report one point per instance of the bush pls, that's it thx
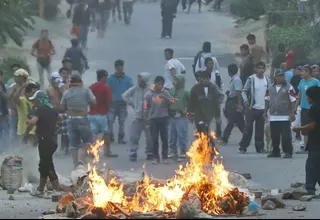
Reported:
(247, 8)
(51, 8)
(301, 39)
(8, 62)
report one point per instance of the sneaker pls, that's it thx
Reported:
(133, 157)
(173, 155)
(168, 37)
(155, 161)
(165, 161)
(242, 151)
(274, 155)
(149, 157)
(287, 156)
(37, 193)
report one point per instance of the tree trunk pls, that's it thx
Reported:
(41, 8)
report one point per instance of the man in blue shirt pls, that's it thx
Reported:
(119, 83)
(306, 82)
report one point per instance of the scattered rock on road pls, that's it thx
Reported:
(307, 198)
(246, 175)
(287, 194)
(275, 199)
(238, 180)
(269, 205)
(299, 207)
(11, 197)
(298, 193)
(296, 185)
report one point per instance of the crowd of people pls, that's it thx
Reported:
(288, 101)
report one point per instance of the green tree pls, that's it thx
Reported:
(15, 19)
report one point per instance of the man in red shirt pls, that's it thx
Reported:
(98, 113)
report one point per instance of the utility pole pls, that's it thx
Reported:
(41, 8)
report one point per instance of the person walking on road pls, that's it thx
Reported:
(119, 83)
(253, 95)
(43, 49)
(78, 59)
(101, 11)
(191, 3)
(134, 97)
(168, 13)
(233, 110)
(81, 18)
(199, 64)
(127, 7)
(116, 8)
(280, 102)
(98, 117)
(246, 65)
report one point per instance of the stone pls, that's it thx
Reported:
(287, 194)
(307, 198)
(299, 207)
(296, 185)
(188, 209)
(269, 205)
(251, 212)
(49, 212)
(275, 199)
(238, 180)
(11, 198)
(246, 175)
(297, 193)
(257, 194)
(11, 191)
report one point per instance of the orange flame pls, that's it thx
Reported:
(210, 183)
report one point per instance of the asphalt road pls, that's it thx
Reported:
(140, 46)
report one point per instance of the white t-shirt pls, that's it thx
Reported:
(261, 86)
(177, 65)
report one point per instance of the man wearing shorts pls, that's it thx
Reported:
(76, 101)
(306, 82)
(98, 113)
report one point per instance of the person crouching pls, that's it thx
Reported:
(45, 118)
(178, 121)
(280, 101)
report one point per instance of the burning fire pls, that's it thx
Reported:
(206, 179)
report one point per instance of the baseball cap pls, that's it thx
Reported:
(278, 72)
(315, 66)
(38, 94)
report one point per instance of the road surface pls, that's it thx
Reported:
(140, 46)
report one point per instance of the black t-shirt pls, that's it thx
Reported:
(278, 60)
(295, 80)
(313, 135)
(46, 125)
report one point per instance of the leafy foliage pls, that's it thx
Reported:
(9, 61)
(15, 19)
(247, 8)
(51, 8)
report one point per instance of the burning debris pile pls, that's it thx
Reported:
(196, 188)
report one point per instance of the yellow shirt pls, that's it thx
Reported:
(23, 109)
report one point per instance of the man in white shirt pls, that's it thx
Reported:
(253, 95)
(172, 67)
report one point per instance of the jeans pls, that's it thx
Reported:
(127, 11)
(83, 30)
(167, 25)
(159, 126)
(116, 6)
(47, 147)
(234, 117)
(297, 123)
(41, 70)
(281, 130)
(178, 134)
(101, 20)
(313, 169)
(4, 132)
(118, 109)
(79, 132)
(137, 127)
(13, 125)
(257, 116)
